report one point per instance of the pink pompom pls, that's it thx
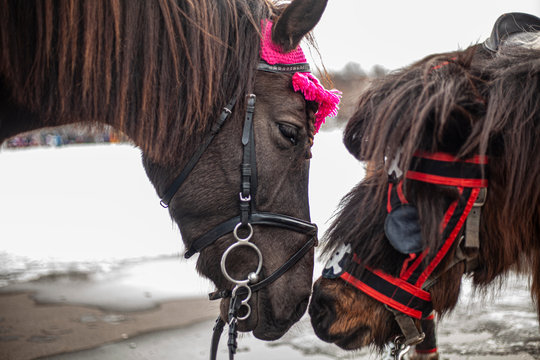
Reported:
(312, 89)
(308, 84)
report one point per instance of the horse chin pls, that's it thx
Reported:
(265, 333)
(358, 339)
(269, 329)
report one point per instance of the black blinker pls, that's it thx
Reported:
(402, 229)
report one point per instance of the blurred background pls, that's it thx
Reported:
(77, 207)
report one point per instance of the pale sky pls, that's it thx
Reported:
(394, 33)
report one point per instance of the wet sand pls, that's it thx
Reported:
(181, 329)
(30, 330)
(110, 318)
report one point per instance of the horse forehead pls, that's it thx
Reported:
(276, 90)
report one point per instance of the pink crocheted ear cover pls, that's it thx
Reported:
(306, 83)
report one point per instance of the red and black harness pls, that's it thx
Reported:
(407, 294)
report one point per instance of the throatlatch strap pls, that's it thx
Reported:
(429, 345)
(179, 180)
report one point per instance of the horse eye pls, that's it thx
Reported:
(289, 132)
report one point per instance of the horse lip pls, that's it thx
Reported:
(264, 334)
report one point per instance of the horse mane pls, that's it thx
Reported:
(157, 70)
(463, 102)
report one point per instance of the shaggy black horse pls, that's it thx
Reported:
(453, 143)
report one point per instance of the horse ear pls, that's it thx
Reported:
(296, 21)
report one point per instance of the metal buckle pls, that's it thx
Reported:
(481, 199)
(245, 199)
(396, 350)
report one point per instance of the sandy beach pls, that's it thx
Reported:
(30, 330)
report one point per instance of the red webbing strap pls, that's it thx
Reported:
(405, 293)
(440, 180)
(393, 292)
(440, 156)
(450, 240)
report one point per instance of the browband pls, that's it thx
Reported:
(283, 68)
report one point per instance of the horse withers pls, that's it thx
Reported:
(188, 83)
(453, 143)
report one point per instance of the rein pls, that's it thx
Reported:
(406, 295)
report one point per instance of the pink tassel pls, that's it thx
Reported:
(312, 89)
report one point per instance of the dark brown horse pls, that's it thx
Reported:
(161, 72)
(437, 134)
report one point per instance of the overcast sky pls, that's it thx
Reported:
(394, 33)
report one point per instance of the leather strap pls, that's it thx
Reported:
(472, 225)
(408, 328)
(179, 180)
(216, 335)
(247, 166)
(257, 218)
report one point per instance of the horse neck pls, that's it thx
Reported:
(141, 68)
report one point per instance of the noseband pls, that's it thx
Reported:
(407, 296)
(248, 217)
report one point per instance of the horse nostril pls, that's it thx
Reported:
(322, 313)
(301, 308)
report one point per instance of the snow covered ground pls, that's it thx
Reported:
(91, 208)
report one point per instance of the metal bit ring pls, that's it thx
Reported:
(243, 302)
(248, 312)
(227, 252)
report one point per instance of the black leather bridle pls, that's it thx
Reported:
(247, 217)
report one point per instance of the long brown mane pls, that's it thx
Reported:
(158, 70)
(465, 102)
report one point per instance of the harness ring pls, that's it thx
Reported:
(238, 226)
(226, 253)
(248, 296)
(248, 312)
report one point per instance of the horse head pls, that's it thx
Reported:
(218, 97)
(451, 144)
(240, 198)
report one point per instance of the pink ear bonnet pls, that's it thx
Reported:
(304, 82)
